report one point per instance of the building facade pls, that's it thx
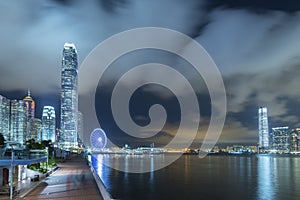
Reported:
(29, 113)
(36, 129)
(69, 97)
(294, 140)
(17, 121)
(80, 127)
(48, 123)
(263, 128)
(4, 117)
(280, 139)
(29, 106)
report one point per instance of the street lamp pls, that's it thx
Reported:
(11, 180)
(11, 173)
(47, 159)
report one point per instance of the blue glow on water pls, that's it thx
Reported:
(213, 177)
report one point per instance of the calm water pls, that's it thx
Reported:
(213, 177)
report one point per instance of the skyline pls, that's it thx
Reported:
(254, 44)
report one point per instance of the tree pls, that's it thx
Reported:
(32, 144)
(2, 140)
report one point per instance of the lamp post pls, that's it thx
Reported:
(11, 173)
(47, 159)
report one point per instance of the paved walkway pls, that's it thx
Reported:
(72, 181)
(22, 187)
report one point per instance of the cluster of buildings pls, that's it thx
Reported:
(18, 123)
(278, 139)
(234, 149)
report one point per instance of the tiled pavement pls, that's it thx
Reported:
(72, 181)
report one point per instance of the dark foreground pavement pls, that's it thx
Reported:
(73, 180)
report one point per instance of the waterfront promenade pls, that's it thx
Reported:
(73, 180)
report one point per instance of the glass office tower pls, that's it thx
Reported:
(280, 139)
(69, 97)
(17, 121)
(48, 123)
(29, 113)
(263, 128)
(35, 129)
(4, 117)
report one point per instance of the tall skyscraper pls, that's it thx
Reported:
(280, 139)
(17, 121)
(263, 128)
(48, 123)
(29, 109)
(69, 97)
(29, 106)
(4, 117)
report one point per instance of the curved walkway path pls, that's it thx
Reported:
(73, 180)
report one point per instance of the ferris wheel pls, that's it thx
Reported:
(98, 139)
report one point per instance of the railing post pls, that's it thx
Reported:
(11, 174)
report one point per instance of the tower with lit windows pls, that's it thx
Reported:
(48, 123)
(35, 129)
(4, 117)
(29, 113)
(280, 139)
(69, 97)
(80, 127)
(17, 121)
(29, 106)
(263, 128)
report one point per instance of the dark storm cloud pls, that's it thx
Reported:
(33, 32)
(256, 5)
(112, 5)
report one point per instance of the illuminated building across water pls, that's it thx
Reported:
(294, 139)
(280, 139)
(263, 128)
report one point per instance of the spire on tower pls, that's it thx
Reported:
(28, 92)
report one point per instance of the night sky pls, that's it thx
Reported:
(254, 43)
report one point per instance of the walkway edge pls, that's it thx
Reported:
(105, 194)
(25, 193)
(31, 189)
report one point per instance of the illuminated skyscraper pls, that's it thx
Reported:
(263, 128)
(35, 129)
(280, 139)
(80, 126)
(294, 140)
(17, 121)
(4, 117)
(29, 106)
(29, 109)
(48, 123)
(69, 97)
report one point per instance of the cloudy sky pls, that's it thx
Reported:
(254, 43)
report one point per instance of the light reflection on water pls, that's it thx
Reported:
(213, 177)
(266, 177)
